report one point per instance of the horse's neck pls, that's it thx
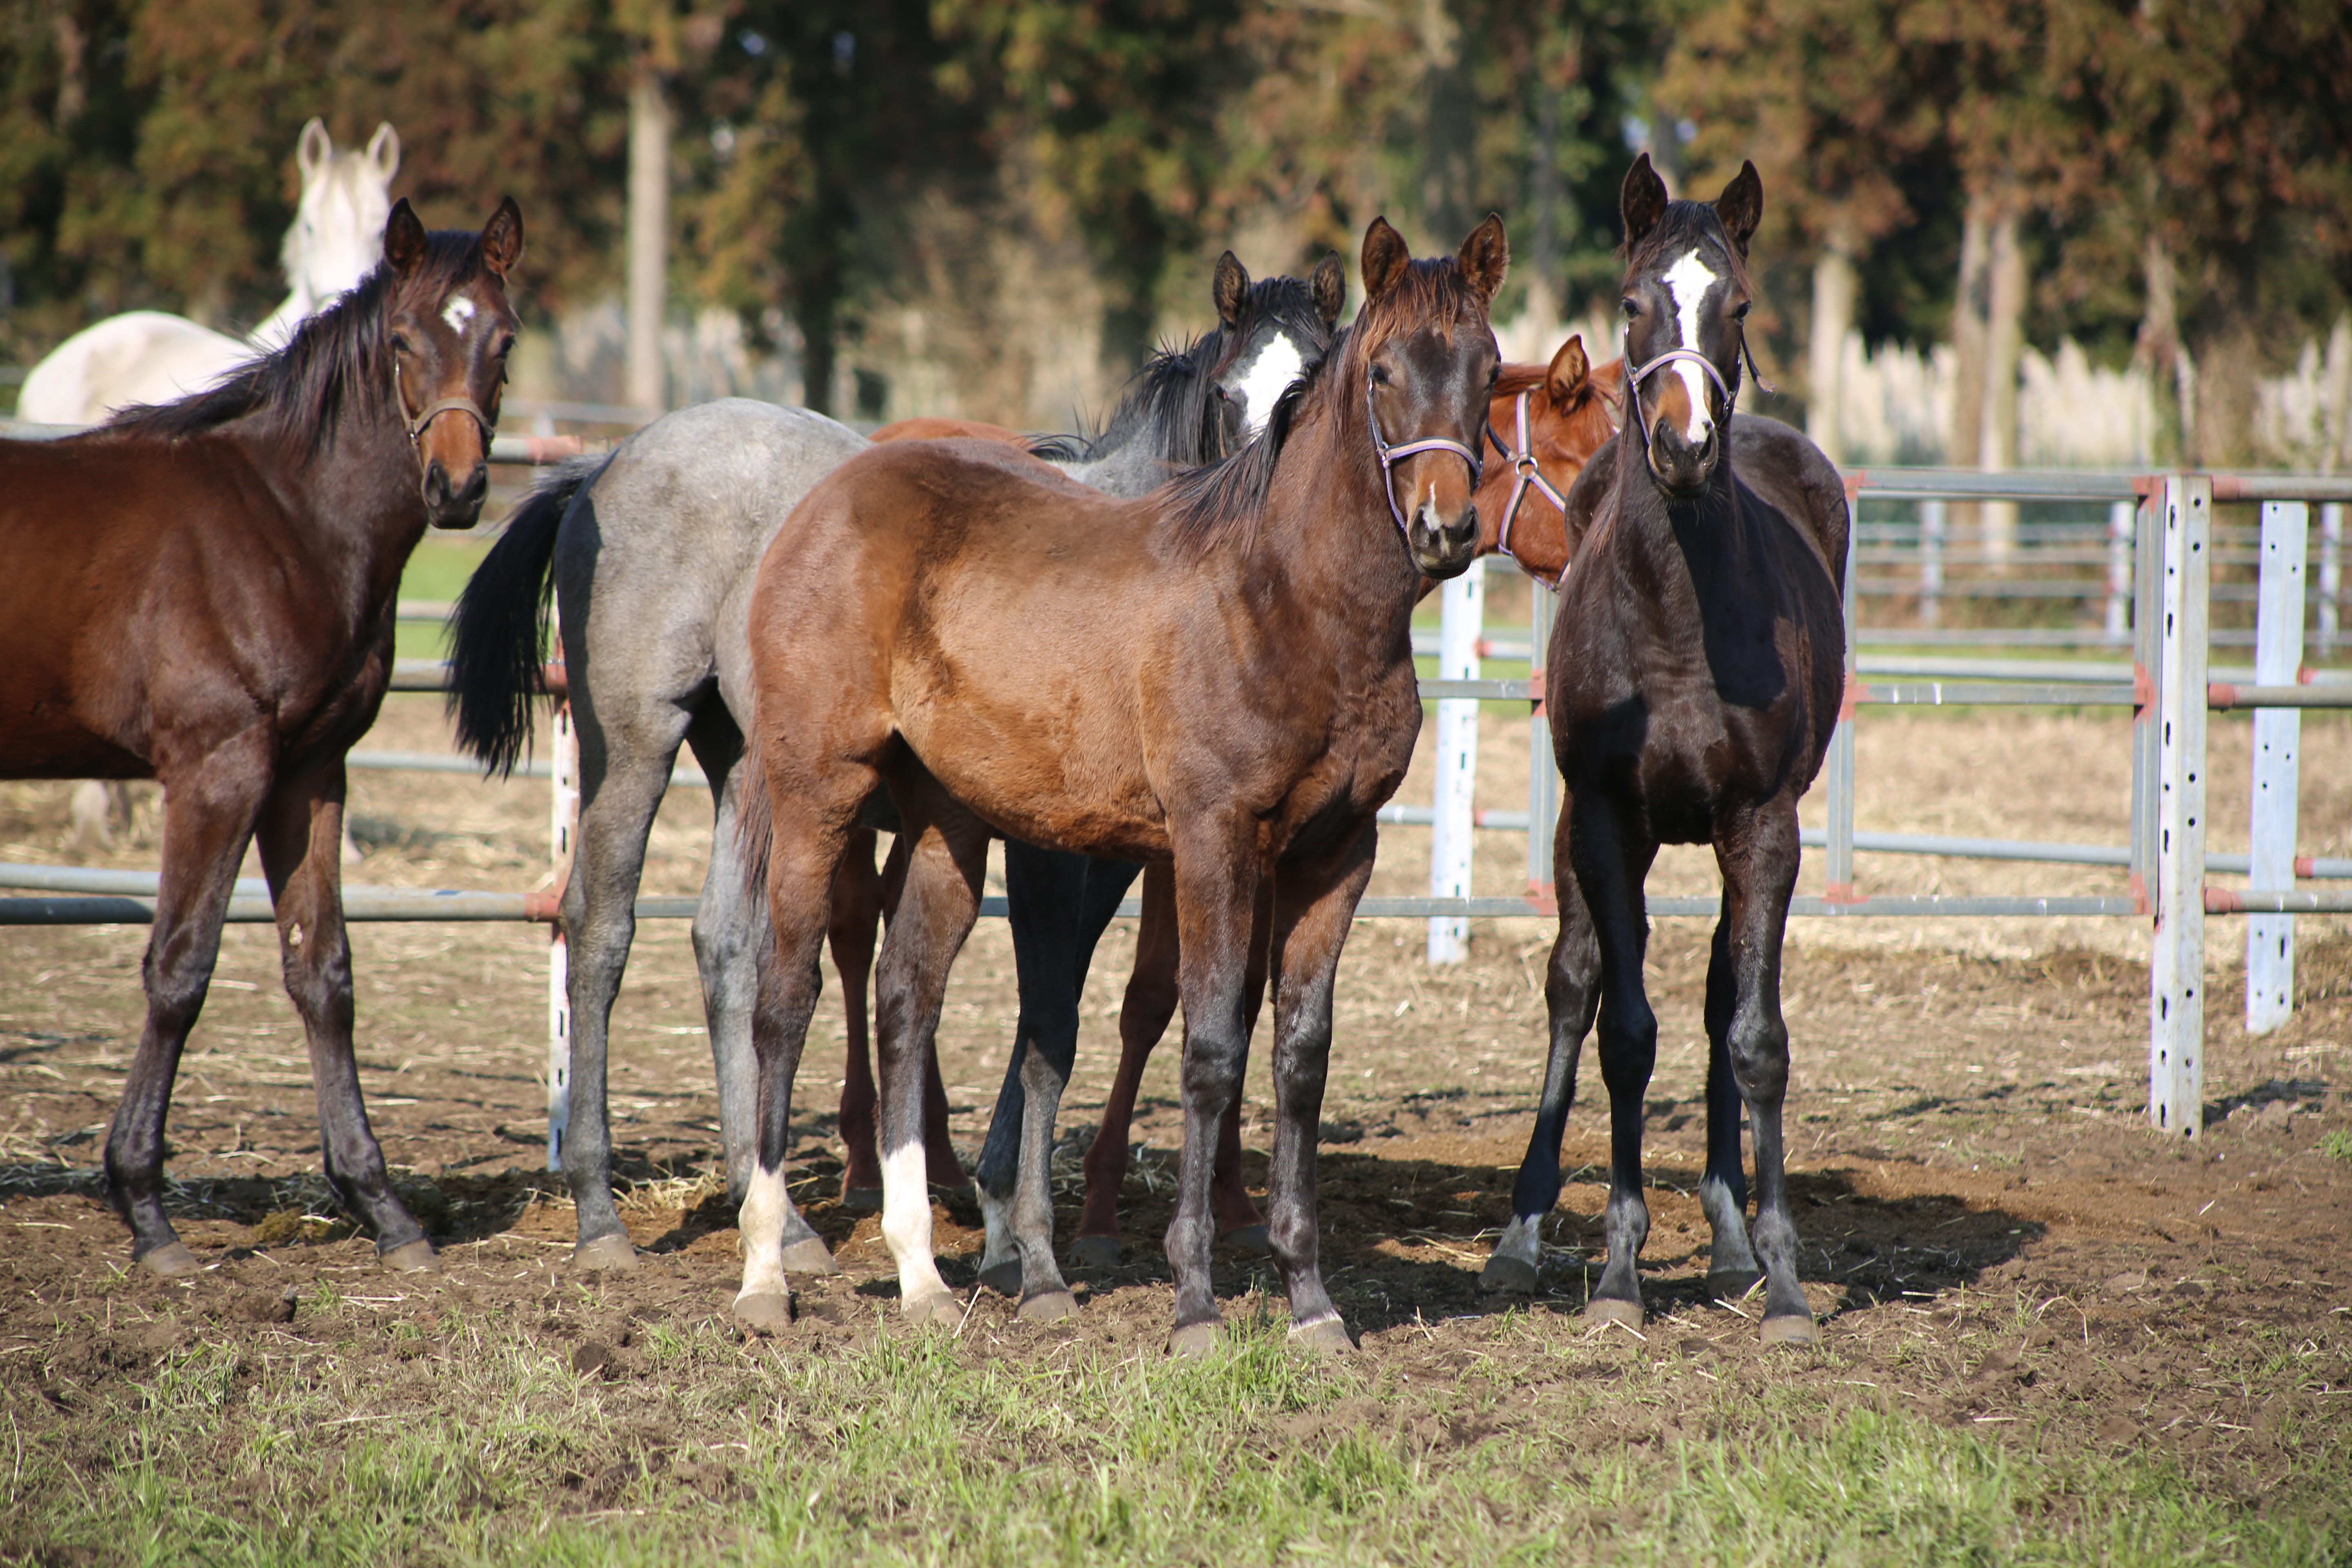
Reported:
(358, 497)
(1668, 549)
(1328, 535)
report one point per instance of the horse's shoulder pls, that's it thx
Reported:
(1783, 468)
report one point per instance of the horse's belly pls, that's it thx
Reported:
(1058, 790)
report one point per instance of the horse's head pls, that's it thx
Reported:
(1685, 303)
(1271, 333)
(346, 201)
(450, 330)
(1428, 361)
(1546, 421)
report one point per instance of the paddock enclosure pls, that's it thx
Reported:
(2036, 1307)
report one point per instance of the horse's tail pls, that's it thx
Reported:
(498, 632)
(755, 825)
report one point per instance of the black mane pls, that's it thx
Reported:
(337, 366)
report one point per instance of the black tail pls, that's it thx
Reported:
(498, 632)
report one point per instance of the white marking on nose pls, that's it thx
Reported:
(1688, 282)
(1263, 382)
(458, 312)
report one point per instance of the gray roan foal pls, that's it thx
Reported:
(649, 553)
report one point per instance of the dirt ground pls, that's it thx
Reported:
(1990, 1231)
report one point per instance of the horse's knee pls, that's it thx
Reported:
(1629, 1046)
(1758, 1049)
(318, 974)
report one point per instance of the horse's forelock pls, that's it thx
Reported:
(1685, 225)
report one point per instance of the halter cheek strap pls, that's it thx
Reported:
(1634, 379)
(1391, 456)
(416, 423)
(1524, 475)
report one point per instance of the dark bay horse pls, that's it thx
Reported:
(1218, 675)
(1693, 682)
(649, 555)
(202, 593)
(1547, 421)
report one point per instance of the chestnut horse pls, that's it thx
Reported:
(202, 593)
(1693, 681)
(1218, 675)
(1547, 421)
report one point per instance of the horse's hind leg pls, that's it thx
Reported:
(208, 815)
(946, 862)
(1758, 858)
(810, 830)
(1731, 1269)
(1571, 995)
(302, 838)
(1612, 863)
(856, 911)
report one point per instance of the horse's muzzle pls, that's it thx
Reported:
(1442, 549)
(1683, 467)
(451, 505)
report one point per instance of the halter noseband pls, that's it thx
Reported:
(416, 424)
(1633, 379)
(1391, 456)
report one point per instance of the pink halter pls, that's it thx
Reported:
(1390, 456)
(1525, 474)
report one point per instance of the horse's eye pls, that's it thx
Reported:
(1632, 308)
(505, 348)
(400, 345)
(1379, 376)
(1739, 311)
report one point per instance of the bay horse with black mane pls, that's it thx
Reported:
(203, 594)
(1218, 675)
(1693, 682)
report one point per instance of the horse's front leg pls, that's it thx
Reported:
(1571, 995)
(302, 838)
(1315, 902)
(1216, 874)
(1759, 857)
(1731, 1267)
(1612, 858)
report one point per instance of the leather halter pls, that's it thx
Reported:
(1391, 456)
(416, 424)
(1633, 379)
(1524, 475)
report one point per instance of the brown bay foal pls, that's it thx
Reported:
(1693, 682)
(202, 593)
(1218, 676)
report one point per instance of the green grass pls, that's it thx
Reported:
(436, 572)
(486, 1447)
(2338, 1145)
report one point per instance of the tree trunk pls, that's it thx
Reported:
(649, 128)
(2158, 352)
(2226, 353)
(2004, 345)
(1833, 293)
(1449, 149)
(1966, 441)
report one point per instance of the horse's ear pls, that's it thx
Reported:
(1486, 256)
(1230, 288)
(383, 150)
(1570, 376)
(1642, 202)
(1329, 287)
(1384, 258)
(1741, 206)
(311, 153)
(403, 238)
(502, 239)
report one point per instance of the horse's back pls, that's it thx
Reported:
(1783, 467)
(143, 357)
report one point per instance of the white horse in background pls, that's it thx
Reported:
(151, 356)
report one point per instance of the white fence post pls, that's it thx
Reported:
(2278, 733)
(2176, 1049)
(564, 822)
(1932, 518)
(2120, 518)
(1837, 777)
(2331, 573)
(1461, 627)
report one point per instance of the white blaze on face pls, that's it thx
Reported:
(1688, 283)
(458, 311)
(1265, 380)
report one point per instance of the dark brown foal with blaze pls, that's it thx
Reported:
(202, 593)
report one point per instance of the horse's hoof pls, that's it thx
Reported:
(862, 1200)
(1732, 1284)
(1094, 1252)
(602, 1252)
(937, 1309)
(172, 1260)
(1003, 1276)
(1326, 1335)
(1607, 1310)
(1792, 1329)
(1049, 1307)
(766, 1313)
(1251, 1238)
(414, 1257)
(810, 1254)
(1506, 1275)
(1195, 1340)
